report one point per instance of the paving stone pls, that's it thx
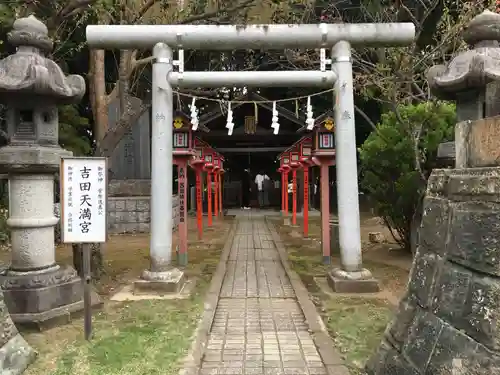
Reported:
(258, 326)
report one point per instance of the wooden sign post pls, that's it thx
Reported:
(84, 214)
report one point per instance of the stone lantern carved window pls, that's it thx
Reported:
(46, 121)
(22, 126)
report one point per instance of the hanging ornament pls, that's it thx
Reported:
(309, 114)
(229, 123)
(274, 122)
(194, 115)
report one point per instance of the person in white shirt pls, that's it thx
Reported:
(259, 181)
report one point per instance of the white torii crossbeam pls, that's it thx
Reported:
(229, 37)
(337, 37)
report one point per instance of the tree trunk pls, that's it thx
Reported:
(98, 102)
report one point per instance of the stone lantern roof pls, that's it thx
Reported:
(474, 68)
(30, 73)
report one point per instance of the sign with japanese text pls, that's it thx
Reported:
(326, 141)
(181, 140)
(182, 192)
(83, 199)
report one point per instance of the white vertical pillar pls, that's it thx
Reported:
(161, 160)
(346, 160)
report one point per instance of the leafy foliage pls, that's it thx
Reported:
(74, 131)
(388, 162)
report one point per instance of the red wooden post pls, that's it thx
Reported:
(216, 194)
(283, 192)
(199, 205)
(183, 229)
(305, 161)
(221, 180)
(197, 164)
(286, 195)
(209, 193)
(324, 156)
(306, 200)
(294, 196)
(280, 170)
(325, 212)
(294, 165)
(209, 167)
(183, 152)
(285, 166)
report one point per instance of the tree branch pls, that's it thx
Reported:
(215, 13)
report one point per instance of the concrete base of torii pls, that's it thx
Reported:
(352, 282)
(165, 282)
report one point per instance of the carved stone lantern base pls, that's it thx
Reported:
(448, 322)
(43, 299)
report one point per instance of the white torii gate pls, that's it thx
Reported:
(164, 38)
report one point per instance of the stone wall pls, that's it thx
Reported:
(449, 320)
(129, 206)
(132, 214)
(15, 352)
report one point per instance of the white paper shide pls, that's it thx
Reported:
(83, 200)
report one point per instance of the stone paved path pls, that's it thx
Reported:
(258, 327)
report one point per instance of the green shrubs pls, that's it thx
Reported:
(391, 175)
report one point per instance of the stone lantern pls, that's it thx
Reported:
(469, 80)
(32, 86)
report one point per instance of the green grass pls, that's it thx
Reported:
(139, 338)
(356, 325)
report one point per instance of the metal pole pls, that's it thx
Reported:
(230, 37)
(298, 78)
(346, 161)
(87, 290)
(161, 160)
